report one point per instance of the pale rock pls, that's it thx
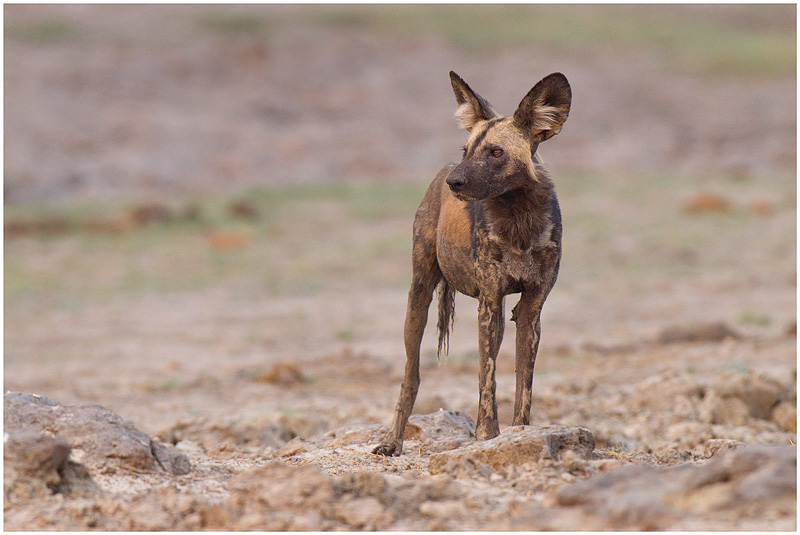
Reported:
(100, 438)
(517, 445)
(635, 497)
(759, 393)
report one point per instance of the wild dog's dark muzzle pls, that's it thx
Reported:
(456, 181)
(469, 181)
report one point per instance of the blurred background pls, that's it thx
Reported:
(207, 209)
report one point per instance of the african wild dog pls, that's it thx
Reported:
(488, 227)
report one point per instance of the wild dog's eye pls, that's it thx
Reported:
(497, 152)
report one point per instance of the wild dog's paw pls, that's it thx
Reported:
(389, 449)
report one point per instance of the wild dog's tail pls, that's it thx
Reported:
(447, 308)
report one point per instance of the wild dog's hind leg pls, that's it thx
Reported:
(426, 275)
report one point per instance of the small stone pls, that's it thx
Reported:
(760, 394)
(785, 415)
(172, 461)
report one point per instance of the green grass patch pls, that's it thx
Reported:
(169, 385)
(706, 41)
(295, 240)
(749, 317)
(303, 239)
(47, 31)
(232, 22)
(346, 335)
(637, 225)
(710, 40)
(362, 200)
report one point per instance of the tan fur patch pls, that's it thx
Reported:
(466, 116)
(454, 224)
(545, 118)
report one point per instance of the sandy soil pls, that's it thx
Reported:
(228, 337)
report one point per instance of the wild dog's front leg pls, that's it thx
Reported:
(419, 300)
(526, 314)
(490, 335)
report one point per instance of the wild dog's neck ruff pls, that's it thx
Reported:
(521, 216)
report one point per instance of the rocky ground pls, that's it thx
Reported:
(206, 259)
(85, 468)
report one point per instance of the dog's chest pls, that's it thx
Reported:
(509, 269)
(487, 264)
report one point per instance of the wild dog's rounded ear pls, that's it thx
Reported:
(472, 108)
(545, 108)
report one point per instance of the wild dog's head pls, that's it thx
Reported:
(498, 154)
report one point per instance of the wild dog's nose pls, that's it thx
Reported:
(456, 182)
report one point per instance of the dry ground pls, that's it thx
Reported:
(208, 227)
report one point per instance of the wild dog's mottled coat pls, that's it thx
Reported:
(488, 227)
